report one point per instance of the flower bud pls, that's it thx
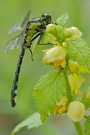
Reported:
(64, 44)
(67, 32)
(76, 33)
(76, 111)
(74, 66)
(52, 29)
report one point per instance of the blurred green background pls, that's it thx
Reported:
(13, 12)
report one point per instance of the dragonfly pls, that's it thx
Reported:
(30, 30)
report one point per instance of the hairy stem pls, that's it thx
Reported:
(78, 128)
(69, 96)
(68, 89)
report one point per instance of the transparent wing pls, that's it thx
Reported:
(18, 27)
(14, 43)
(14, 28)
(26, 19)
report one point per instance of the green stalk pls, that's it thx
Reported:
(69, 96)
(68, 89)
(78, 128)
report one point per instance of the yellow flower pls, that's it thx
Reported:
(61, 106)
(63, 64)
(73, 32)
(55, 56)
(74, 66)
(75, 82)
(76, 32)
(64, 44)
(67, 32)
(76, 111)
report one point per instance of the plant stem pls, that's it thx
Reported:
(69, 96)
(78, 128)
(68, 89)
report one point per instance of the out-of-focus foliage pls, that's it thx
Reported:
(12, 12)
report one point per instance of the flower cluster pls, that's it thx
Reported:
(57, 56)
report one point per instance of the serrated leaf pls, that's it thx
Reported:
(78, 50)
(62, 19)
(47, 92)
(30, 122)
(87, 126)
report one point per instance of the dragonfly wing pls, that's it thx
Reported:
(14, 28)
(18, 27)
(14, 43)
(17, 42)
(26, 19)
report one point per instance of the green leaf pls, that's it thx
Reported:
(30, 122)
(87, 126)
(78, 50)
(85, 101)
(46, 38)
(62, 19)
(47, 92)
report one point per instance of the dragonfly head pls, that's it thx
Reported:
(47, 17)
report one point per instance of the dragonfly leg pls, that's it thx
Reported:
(31, 53)
(39, 39)
(35, 37)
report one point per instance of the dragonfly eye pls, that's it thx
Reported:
(47, 17)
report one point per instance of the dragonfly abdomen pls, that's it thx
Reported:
(16, 77)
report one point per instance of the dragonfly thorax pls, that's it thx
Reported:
(31, 31)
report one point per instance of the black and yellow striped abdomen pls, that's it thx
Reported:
(16, 77)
